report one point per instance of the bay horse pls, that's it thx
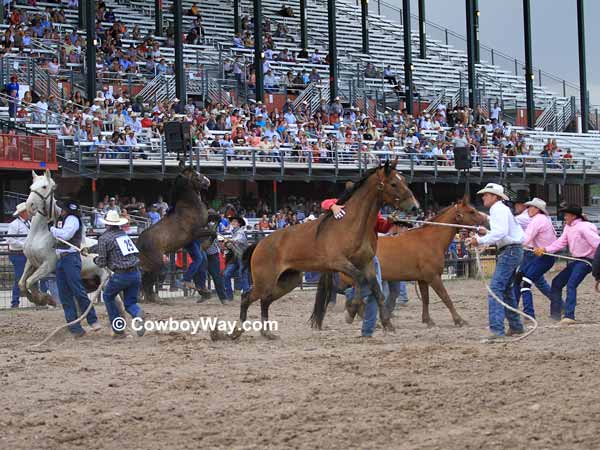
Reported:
(347, 245)
(184, 222)
(39, 247)
(415, 255)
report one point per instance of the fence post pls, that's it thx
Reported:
(445, 31)
(516, 68)
(492, 54)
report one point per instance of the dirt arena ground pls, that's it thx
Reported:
(419, 388)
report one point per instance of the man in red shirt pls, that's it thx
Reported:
(382, 225)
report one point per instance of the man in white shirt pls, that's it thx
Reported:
(68, 267)
(495, 112)
(508, 237)
(19, 226)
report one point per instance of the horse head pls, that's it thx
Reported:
(466, 214)
(41, 195)
(393, 187)
(193, 178)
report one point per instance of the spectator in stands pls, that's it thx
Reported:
(286, 11)
(496, 112)
(316, 57)
(153, 214)
(389, 75)
(271, 82)
(112, 206)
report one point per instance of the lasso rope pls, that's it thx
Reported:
(495, 297)
(569, 258)
(440, 224)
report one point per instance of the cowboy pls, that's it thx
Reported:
(70, 229)
(522, 211)
(539, 233)
(198, 255)
(18, 227)
(117, 251)
(212, 266)
(395, 291)
(236, 244)
(382, 225)
(508, 236)
(582, 239)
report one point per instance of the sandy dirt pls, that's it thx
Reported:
(436, 388)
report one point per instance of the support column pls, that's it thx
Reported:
(333, 69)
(422, 36)
(303, 26)
(81, 9)
(364, 20)
(237, 28)
(158, 18)
(472, 86)
(476, 53)
(528, 64)
(258, 51)
(179, 69)
(408, 66)
(90, 48)
(582, 68)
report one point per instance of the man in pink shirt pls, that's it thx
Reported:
(539, 233)
(582, 239)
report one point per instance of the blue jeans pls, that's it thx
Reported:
(392, 291)
(18, 262)
(502, 285)
(71, 290)
(128, 283)
(198, 259)
(571, 276)
(371, 307)
(235, 269)
(533, 268)
(213, 267)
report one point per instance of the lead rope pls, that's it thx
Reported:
(495, 297)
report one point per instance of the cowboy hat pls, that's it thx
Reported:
(522, 197)
(240, 220)
(112, 218)
(493, 188)
(573, 209)
(67, 204)
(20, 208)
(539, 204)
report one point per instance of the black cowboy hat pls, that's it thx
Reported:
(522, 197)
(240, 220)
(573, 209)
(68, 205)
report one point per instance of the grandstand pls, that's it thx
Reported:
(136, 88)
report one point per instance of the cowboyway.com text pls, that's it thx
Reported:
(205, 324)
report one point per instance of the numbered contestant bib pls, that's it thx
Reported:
(126, 245)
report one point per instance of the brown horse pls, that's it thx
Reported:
(416, 255)
(185, 221)
(326, 244)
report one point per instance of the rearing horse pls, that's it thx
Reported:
(326, 245)
(185, 221)
(415, 255)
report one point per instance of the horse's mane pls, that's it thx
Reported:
(181, 191)
(348, 193)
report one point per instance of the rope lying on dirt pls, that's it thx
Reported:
(74, 322)
(495, 297)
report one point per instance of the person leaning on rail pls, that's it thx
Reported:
(581, 237)
(508, 236)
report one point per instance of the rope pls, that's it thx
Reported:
(440, 224)
(570, 258)
(510, 308)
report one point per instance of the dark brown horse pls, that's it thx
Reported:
(326, 244)
(416, 255)
(184, 222)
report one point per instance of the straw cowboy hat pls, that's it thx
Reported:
(112, 218)
(539, 204)
(493, 188)
(20, 208)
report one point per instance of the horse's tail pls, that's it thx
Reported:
(247, 256)
(325, 290)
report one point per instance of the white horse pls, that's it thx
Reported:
(39, 247)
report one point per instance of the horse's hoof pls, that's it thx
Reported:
(461, 322)
(349, 317)
(235, 334)
(47, 299)
(389, 327)
(216, 335)
(430, 323)
(268, 335)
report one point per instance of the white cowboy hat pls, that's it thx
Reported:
(539, 204)
(493, 188)
(311, 217)
(20, 208)
(113, 218)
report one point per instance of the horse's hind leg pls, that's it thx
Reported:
(247, 299)
(425, 317)
(287, 282)
(148, 279)
(440, 290)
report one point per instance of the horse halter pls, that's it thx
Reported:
(49, 214)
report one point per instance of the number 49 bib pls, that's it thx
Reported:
(126, 245)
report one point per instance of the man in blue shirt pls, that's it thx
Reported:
(153, 215)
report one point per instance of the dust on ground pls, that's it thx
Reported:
(425, 388)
